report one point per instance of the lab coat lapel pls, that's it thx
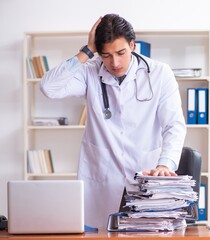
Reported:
(107, 78)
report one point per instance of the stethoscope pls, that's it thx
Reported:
(107, 111)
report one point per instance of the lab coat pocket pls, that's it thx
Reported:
(94, 162)
(97, 105)
(149, 159)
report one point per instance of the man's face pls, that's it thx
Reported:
(116, 56)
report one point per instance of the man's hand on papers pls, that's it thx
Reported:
(159, 171)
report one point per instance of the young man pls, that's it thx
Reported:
(137, 126)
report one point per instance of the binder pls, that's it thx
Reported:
(202, 105)
(191, 106)
(202, 212)
(143, 48)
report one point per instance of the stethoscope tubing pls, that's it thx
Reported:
(107, 112)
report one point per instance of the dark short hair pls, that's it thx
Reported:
(112, 27)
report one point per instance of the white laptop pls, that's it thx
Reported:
(45, 206)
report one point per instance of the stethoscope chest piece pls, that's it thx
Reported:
(107, 113)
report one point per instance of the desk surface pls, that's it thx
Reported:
(190, 233)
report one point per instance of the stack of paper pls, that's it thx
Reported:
(158, 204)
(47, 121)
(187, 72)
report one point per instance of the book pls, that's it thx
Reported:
(48, 159)
(43, 68)
(40, 161)
(40, 65)
(37, 63)
(83, 116)
(30, 68)
(31, 165)
(46, 63)
(35, 67)
(33, 162)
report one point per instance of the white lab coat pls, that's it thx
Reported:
(139, 135)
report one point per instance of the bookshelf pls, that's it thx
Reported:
(180, 49)
(63, 141)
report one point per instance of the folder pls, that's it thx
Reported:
(142, 48)
(191, 106)
(202, 213)
(202, 105)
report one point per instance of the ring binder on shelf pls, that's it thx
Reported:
(202, 213)
(202, 105)
(143, 48)
(191, 106)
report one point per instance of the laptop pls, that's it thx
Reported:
(45, 206)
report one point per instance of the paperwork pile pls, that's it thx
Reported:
(157, 204)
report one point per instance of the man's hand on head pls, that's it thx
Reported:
(91, 37)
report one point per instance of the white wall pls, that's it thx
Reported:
(19, 16)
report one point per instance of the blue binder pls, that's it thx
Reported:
(191, 106)
(143, 48)
(202, 213)
(202, 105)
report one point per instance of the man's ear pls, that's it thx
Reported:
(132, 45)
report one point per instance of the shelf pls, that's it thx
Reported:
(197, 126)
(202, 222)
(203, 78)
(55, 34)
(56, 127)
(182, 32)
(56, 176)
(178, 48)
(204, 174)
(33, 80)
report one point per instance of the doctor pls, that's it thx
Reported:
(134, 124)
